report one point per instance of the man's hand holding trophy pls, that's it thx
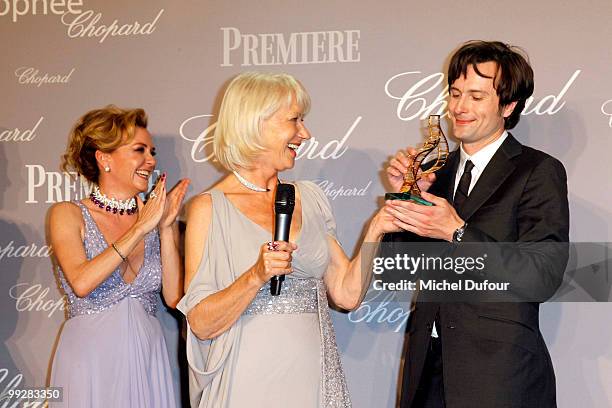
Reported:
(408, 174)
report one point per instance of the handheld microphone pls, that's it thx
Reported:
(284, 202)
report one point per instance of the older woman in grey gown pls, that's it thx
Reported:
(246, 348)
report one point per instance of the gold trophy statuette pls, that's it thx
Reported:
(429, 158)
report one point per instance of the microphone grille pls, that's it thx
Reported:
(284, 200)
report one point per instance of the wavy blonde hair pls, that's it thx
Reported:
(250, 99)
(100, 129)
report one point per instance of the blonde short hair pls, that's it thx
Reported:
(250, 99)
(100, 129)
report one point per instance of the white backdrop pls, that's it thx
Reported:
(374, 72)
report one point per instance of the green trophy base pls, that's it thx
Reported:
(407, 197)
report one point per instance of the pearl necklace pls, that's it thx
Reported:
(113, 205)
(248, 184)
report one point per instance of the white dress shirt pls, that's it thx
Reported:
(480, 159)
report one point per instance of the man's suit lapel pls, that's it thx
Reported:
(496, 172)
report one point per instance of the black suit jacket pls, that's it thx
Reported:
(493, 354)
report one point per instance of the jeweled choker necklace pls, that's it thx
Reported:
(248, 184)
(115, 206)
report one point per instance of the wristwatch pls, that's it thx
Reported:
(458, 234)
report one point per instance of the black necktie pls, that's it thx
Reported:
(464, 186)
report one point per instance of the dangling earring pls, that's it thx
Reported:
(107, 169)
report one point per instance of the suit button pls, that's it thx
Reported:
(429, 326)
(451, 325)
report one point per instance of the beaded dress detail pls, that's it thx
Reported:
(111, 351)
(145, 288)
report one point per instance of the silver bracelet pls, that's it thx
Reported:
(123, 258)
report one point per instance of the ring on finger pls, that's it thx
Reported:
(153, 194)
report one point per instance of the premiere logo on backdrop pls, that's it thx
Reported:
(201, 141)
(21, 135)
(55, 186)
(411, 89)
(606, 109)
(33, 76)
(79, 22)
(311, 47)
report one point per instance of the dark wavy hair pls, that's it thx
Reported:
(513, 81)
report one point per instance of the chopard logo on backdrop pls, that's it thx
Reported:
(32, 76)
(33, 298)
(80, 23)
(310, 47)
(86, 24)
(334, 191)
(606, 109)
(381, 308)
(414, 104)
(10, 250)
(18, 135)
(201, 149)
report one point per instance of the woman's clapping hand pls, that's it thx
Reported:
(150, 214)
(174, 200)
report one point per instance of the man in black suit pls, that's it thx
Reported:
(494, 190)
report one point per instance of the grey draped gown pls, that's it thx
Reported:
(282, 351)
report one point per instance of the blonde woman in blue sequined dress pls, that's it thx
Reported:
(114, 256)
(246, 348)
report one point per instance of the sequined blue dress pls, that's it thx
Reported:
(111, 351)
(282, 351)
